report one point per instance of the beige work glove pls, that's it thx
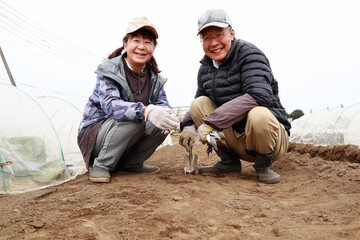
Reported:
(187, 137)
(203, 131)
(163, 118)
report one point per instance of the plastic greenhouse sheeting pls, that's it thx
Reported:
(65, 118)
(38, 138)
(328, 127)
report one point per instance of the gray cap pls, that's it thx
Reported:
(213, 17)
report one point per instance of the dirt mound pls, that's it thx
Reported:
(318, 198)
(345, 153)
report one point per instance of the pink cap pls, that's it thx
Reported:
(141, 22)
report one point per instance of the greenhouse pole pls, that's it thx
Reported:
(7, 68)
(2, 164)
(3, 174)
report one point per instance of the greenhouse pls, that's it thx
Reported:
(328, 127)
(38, 141)
(38, 137)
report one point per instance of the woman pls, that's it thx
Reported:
(127, 116)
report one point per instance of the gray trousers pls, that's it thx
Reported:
(127, 144)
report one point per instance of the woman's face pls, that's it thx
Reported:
(139, 50)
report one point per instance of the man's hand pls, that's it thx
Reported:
(161, 117)
(187, 137)
(203, 131)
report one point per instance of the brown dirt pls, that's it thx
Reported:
(318, 198)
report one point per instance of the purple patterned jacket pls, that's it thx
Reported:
(112, 97)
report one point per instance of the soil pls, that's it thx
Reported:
(318, 198)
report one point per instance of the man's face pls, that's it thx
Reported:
(217, 42)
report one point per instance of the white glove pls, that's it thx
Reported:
(163, 118)
(170, 131)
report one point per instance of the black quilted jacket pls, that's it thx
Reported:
(245, 70)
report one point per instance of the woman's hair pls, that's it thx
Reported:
(146, 34)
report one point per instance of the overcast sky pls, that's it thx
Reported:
(54, 47)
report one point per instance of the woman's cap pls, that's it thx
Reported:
(141, 22)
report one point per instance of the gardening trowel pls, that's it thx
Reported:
(190, 162)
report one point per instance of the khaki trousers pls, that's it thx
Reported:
(263, 132)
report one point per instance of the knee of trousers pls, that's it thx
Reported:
(260, 120)
(201, 107)
(200, 103)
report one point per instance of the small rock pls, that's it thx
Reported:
(324, 168)
(341, 173)
(37, 224)
(177, 198)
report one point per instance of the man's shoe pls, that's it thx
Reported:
(141, 169)
(229, 163)
(221, 167)
(264, 168)
(267, 175)
(99, 175)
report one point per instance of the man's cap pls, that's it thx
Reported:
(141, 22)
(213, 17)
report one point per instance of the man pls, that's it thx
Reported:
(238, 95)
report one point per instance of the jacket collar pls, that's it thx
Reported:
(114, 69)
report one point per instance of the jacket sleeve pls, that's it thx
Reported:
(256, 75)
(200, 90)
(162, 99)
(186, 122)
(114, 105)
(231, 112)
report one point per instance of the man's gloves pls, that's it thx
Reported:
(187, 137)
(203, 131)
(163, 118)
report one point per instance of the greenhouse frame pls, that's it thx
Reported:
(337, 126)
(38, 141)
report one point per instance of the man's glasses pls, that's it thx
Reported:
(217, 37)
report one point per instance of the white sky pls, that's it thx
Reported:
(313, 46)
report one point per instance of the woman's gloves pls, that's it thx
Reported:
(163, 118)
(187, 137)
